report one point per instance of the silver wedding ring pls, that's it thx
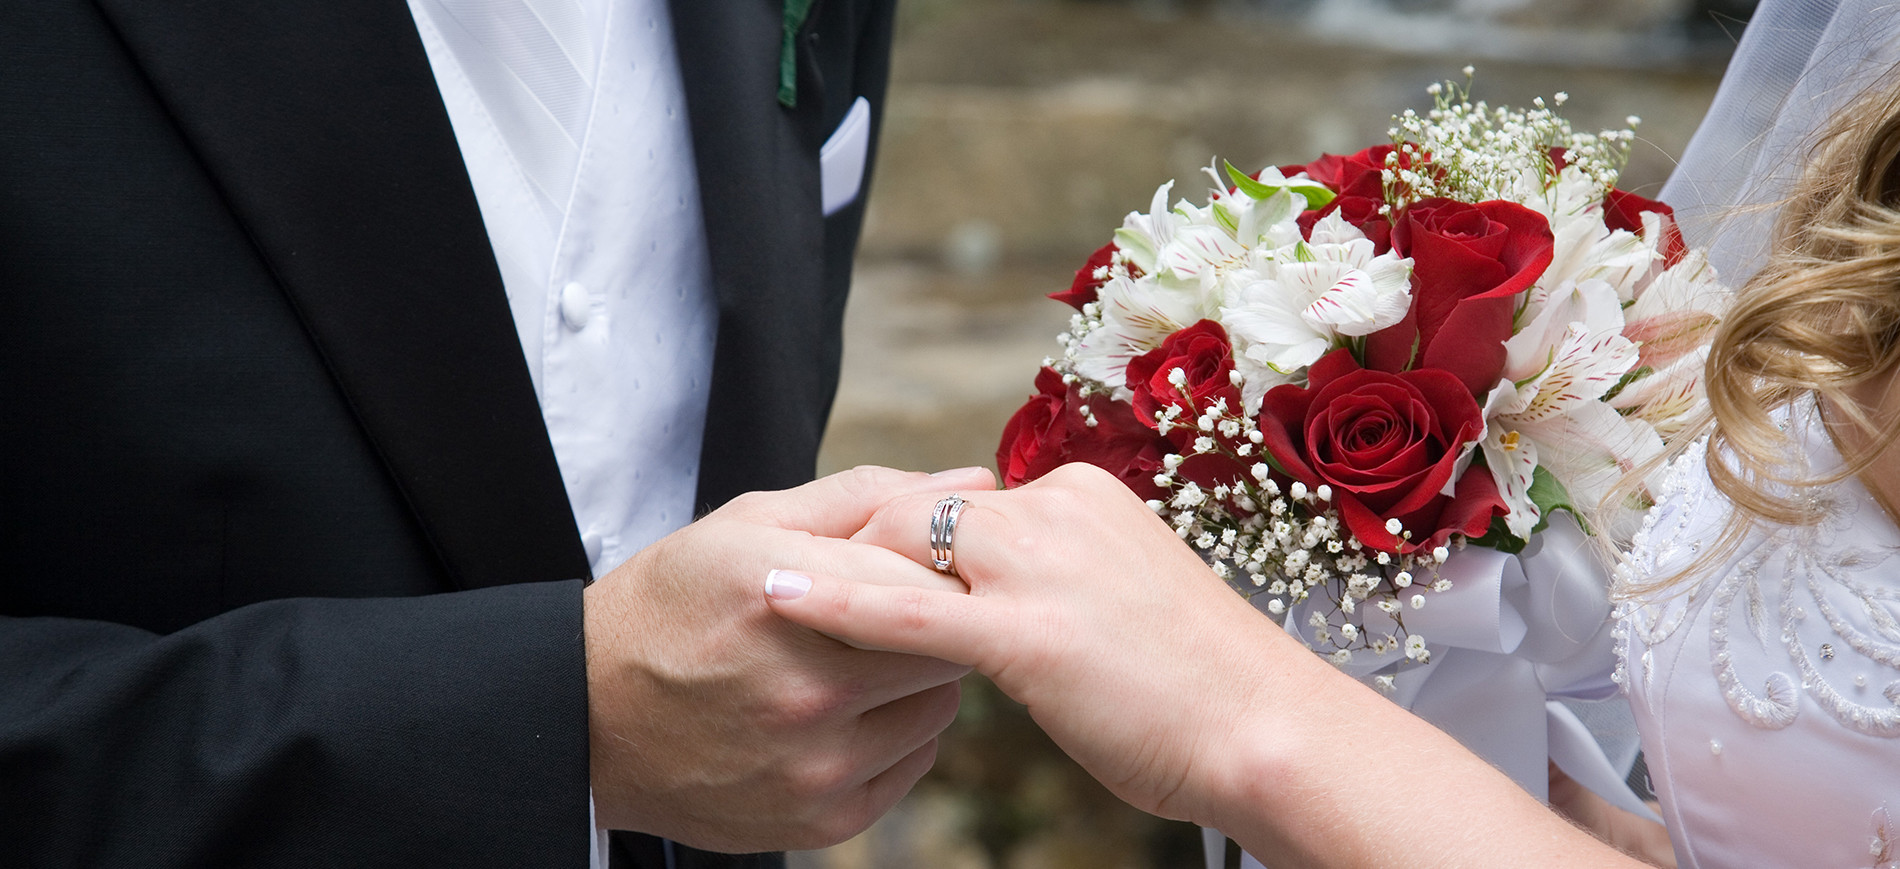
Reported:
(943, 529)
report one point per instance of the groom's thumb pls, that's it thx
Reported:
(947, 625)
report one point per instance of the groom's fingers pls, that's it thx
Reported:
(883, 791)
(840, 504)
(920, 621)
(885, 735)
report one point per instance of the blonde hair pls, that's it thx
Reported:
(1822, 317)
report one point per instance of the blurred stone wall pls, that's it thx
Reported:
(1017, 134)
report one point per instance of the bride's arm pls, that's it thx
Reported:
(1177, 694)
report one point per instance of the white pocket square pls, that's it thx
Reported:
(841, 160)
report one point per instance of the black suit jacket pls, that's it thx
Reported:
(287, 572)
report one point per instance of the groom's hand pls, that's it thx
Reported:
(717, 724)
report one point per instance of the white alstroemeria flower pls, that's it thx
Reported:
(1574, 238)
(1588, 250)
(1257, 379)
(1546, 321)
(1677, 310)
(1666, 397)
(1137, 315)
(1143, 235)
(1672, 320)
(1272, 222)
(1199, 252)
(1332, 229)
(1312, 295)
(1582, 247)
(1555, 416)
(1600, 446)
(1629, 264)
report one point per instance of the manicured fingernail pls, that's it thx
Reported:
(786, 585)
(960, 472)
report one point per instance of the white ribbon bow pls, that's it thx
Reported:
(1516, 643)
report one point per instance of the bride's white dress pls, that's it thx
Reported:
(1767, 685)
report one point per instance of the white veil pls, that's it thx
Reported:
(1797, 64)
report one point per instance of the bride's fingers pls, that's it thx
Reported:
(903, 525)
(939, 624)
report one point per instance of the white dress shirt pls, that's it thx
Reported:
(571, 118)
(592, 204)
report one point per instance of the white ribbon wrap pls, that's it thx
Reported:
(1520, 646)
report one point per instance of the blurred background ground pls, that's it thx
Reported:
(1017, 134)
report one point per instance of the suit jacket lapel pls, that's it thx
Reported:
(322, 126)
(758, 177)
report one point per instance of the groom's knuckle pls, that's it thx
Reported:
(805, 702)
(821, 776)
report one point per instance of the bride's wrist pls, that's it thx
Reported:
(1293, 753)
(1269, 739)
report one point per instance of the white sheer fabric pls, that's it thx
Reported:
(1797, 64)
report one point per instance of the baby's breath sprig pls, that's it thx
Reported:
(1472, 152)
(1288, 542)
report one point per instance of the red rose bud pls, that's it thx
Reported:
(1050, 431)
(1356, 175)
(1468, 264)
(1204, 357)
(1387, 444)
(1624, 210)
(1087, 287)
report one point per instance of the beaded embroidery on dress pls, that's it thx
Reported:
(1767, 684)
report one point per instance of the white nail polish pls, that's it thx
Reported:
(786, 585)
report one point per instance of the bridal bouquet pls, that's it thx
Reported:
(1329, 377)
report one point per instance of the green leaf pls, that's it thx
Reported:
(1315, 193)
(1549, 494)
(1266, 455)
(1247, 184)
(1500, 538)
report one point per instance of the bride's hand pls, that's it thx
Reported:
(1170, 689)
(1084, 606)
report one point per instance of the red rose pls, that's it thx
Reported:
(1468, 261)
(1624, 210)
(1050, 431)
(1387, 444)
(1203, 354)
(1205, 358)
(1359, 186)
(1087, 287)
